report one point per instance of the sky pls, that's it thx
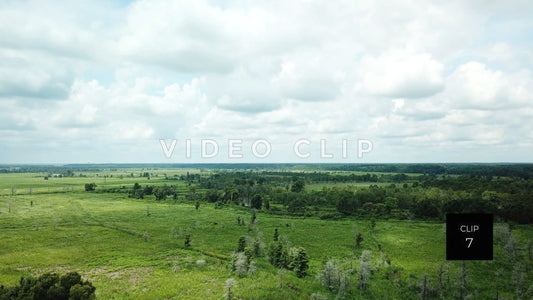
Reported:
(356, 81)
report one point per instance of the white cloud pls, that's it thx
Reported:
(473, 85)
(400, 74)
(246, 89)
(189, 36)
(309, 78)
(32, 75)
(419, 109)
(416, 77)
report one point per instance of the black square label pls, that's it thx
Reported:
(469, 236)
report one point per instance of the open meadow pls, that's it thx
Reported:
(133, 248)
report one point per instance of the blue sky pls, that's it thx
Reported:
(95, 81)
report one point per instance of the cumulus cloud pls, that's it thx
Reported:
(29, 75)
(473, 85)
(108, 80)
(309, 78)
(419, 110)
(247, 89)
(400, 74)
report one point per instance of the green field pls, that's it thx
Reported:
(134, 248)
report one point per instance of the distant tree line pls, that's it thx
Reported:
(402, 197)
(524, 171)
(514, 170)
(432, 198)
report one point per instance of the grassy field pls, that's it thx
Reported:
(35, 183)
(130, 254)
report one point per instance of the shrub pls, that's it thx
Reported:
(230, 283)
(239, 264)
(334, 277)
(50, 286)
(300, 262)
(89, 187)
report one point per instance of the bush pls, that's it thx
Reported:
(50, 286)
(69, 280)
(89, 187)
(300, 262)
(278, 255)
(81, 292)
(242, 264)
(334, 277)
(161, 192)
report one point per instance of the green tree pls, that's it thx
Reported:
(300, 263)
(137, 191)
(212, 195)
(298, 186)
(275, 254)
(161, 192)
(257, 201)
(69, 280)
(82, 292)
(50, 286)
(148, 190)
(346, 202)
(57, 293)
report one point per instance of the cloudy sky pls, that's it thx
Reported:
(424, 81)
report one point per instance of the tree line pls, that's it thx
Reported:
(431, 197)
